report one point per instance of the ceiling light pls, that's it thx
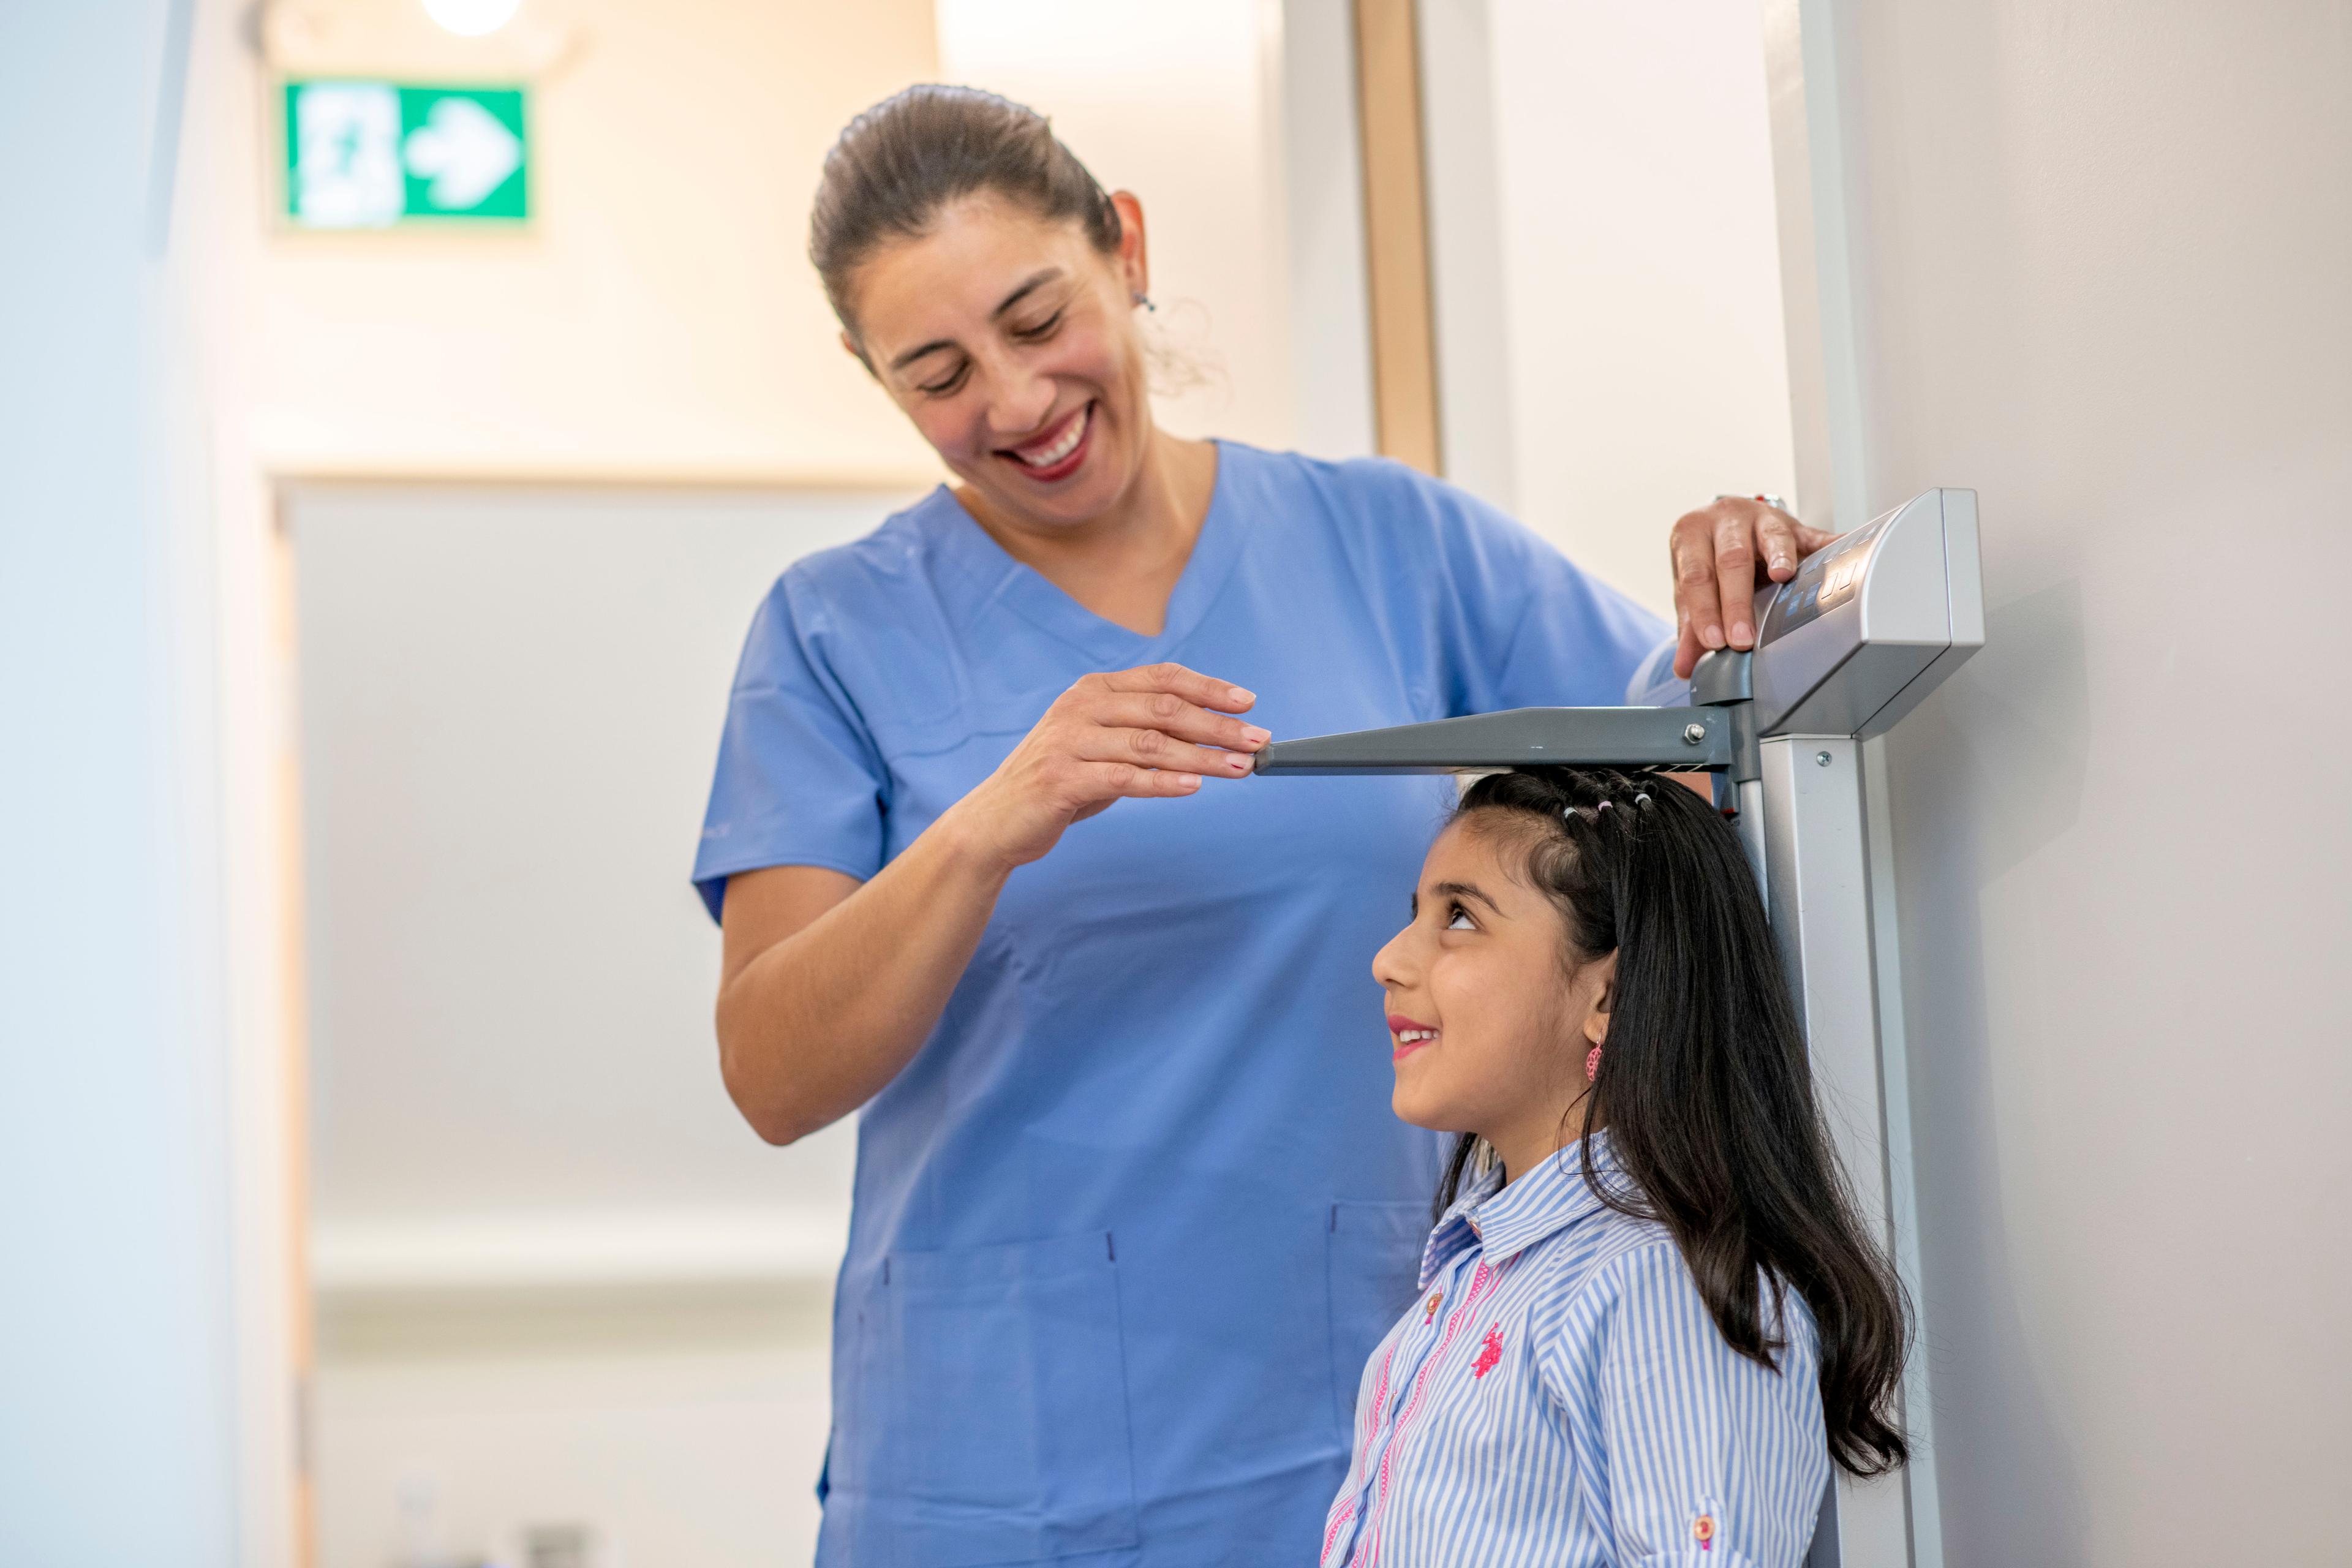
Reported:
(472, 18)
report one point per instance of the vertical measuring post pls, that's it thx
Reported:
(1817, 885)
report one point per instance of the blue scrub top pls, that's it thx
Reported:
(1127, 1226)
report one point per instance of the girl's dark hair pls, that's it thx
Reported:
(1703, 1086)
(897, 164)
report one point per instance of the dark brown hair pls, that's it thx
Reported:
(1704, 1087)
(897, 164)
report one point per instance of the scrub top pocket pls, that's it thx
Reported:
(1374, 1259)
(1007, 1435)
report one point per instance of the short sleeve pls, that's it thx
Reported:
(798, 781)
(1533, 629)
(1714, 1461)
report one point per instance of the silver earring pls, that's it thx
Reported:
(1145, 300)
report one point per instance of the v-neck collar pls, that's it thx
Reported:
(1036, 599)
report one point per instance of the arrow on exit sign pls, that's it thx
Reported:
(463, 151)
(370, 154)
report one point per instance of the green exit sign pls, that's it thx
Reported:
(370, 154)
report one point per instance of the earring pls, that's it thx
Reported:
(1145, 300)
(1592, 1064)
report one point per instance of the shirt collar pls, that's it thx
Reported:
(1504, 1222)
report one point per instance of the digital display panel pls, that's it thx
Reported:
(1829, 577)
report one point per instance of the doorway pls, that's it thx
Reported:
(566, 1302)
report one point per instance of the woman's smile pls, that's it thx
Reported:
(1056, 454)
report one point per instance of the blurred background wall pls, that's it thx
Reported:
(118, 1438)
(557, 1280)
(1607, 267)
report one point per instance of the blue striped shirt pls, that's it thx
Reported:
(1558, 1395)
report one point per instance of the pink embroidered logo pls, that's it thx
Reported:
(1490, 1351)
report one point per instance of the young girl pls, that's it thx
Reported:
(1648, 1320)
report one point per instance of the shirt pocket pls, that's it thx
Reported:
(1373, 1260)
(1005, 1419)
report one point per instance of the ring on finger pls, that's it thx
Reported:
(1775, 502)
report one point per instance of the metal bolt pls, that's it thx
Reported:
(1693, 734)
(1822, 758)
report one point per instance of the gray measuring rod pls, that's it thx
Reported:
(1869, 624)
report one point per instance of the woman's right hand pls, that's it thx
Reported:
(1156, 730)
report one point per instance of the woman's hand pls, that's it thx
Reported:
(1715, 552)
(830, 985)
(1157, 730)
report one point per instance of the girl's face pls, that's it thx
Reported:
(1011, 343)
(1490, 1031)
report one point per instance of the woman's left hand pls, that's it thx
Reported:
(1715, 550)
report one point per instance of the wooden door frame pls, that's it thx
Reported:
(1391, 142)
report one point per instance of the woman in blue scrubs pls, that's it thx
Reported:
(1131, 1207)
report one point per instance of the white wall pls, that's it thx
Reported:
(511, 700)
(119, 1417)
(680, 1426)
(2099, 264)
(1610, 348)
(1180, 104)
